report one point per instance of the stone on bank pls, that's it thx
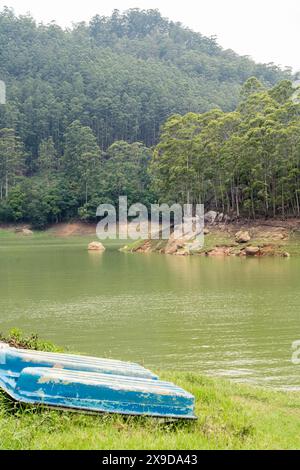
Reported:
(96, 246)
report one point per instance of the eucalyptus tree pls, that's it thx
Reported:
(81, 161)
(12, 158)
(48, 161)
(245, 162)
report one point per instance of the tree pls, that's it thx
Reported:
(117, 81)
(246, 162)
(251, 87)
(48, 161)
(11, 160)
(82, 159)
(126, 172)
(173, 166)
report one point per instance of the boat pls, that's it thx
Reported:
(90, 384)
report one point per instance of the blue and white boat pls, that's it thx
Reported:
(89, 384)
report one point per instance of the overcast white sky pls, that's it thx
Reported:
(267, 30)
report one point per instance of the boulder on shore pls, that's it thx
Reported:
(210, 217)
(219, 251)
(26, 231)
(242, 237)
(252, 250)
(173, 246)
(96, 246)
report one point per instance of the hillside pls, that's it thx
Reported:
(84, 106)
(122, 76)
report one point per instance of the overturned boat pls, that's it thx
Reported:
(89, 384)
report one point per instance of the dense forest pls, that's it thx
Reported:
(245, 163)
(85, 107)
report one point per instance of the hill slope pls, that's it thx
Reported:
(122, 76)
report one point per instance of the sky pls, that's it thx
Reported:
(266, 30)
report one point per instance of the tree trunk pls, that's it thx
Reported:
(297, 203)
(6, 186)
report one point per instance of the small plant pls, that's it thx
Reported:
(17, 339)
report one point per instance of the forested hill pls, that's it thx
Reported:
(123, 76)
(84, 106)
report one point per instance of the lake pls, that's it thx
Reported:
(232, 317)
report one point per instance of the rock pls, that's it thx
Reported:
(242, 237)
(182, 252)
(226, 218)
(26, 231)
(173, 246)
(96, 246)
(210, 217)
(274, 235)
(269, 250)
(145, 247)
(206, 231)
(195, 246)
(252, 250)
(192, 228)
(220, 217)
(286, 254)
(219, 251)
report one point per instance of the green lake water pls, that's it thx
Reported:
(235, 318)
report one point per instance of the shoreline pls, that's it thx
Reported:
(264, 238)
(256, 239)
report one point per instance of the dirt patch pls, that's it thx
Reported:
(73, 229)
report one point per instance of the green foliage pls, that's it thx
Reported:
(126, 171)
(17, 339)
(47, 159)
(122, 76)
(85, 106)
(11, 160)
(81, 161)
(245, 162)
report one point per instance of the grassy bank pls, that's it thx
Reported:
(8, 237)
(230, 416)
(11, 239)
(220, 240)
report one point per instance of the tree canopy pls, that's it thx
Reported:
(85, 107)
(245, 162)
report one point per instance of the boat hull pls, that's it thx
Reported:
(53, 380)
(18, 359)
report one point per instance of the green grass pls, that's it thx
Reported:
(214, 239)
(230, 416)
(293, 244)
(132, 246)
(224, 239)
(10, 239)
(16, 339)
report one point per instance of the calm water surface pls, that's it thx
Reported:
(228, 317)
